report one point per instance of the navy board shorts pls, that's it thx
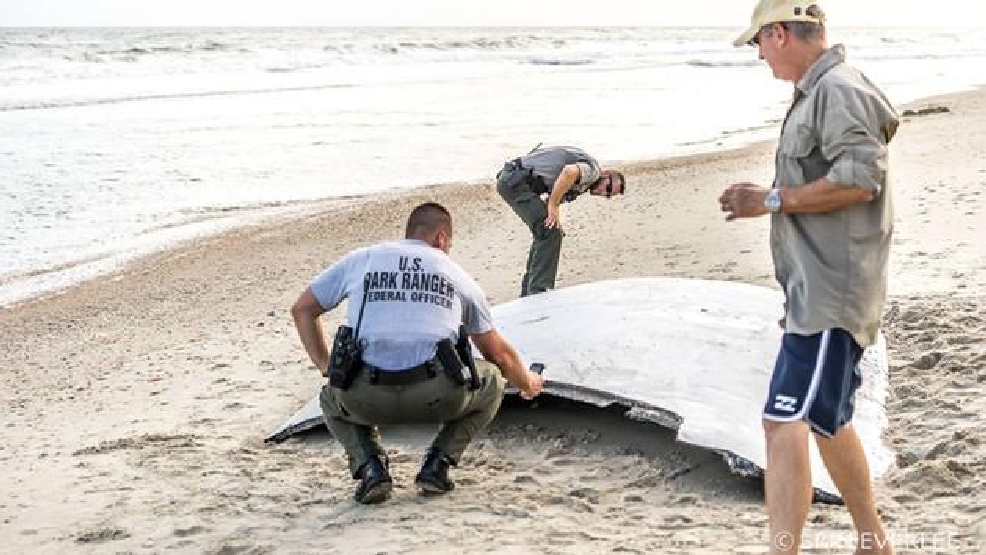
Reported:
(815, 379)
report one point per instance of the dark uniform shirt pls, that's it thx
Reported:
(547, 163)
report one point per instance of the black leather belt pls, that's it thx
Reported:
(410, 376)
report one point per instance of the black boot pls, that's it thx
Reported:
(433, 476)
(375, 483)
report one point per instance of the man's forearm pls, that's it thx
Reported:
(310, 332)
(563, 184)
(557, 194)
(821, 196)
(512, 368)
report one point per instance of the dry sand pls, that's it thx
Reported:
(134, 406)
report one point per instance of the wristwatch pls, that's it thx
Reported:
(773, 201)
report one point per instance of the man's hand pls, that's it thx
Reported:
(743, 200)
(496, 350)
(554, 217)
(568, 176)
(534, 386)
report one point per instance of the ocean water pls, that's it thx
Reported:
(117, 142)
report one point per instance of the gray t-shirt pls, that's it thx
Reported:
(417, 296)
(548, 163)
(833, 266)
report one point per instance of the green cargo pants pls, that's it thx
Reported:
(353, 415)
(542, 260)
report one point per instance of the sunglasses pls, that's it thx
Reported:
(766, 31)
(608, 191)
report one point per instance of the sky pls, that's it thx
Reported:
(731, 13)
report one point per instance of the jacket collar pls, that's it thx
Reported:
(829, 59)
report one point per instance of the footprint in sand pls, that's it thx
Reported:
(573, 503)
(928, 361)
(687, 500)
(565, 462)
(559, 539)
(591, 495)
(103, 535)
(678, 521)
(190, 531)
(237, 549)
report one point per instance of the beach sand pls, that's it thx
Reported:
(134, 406)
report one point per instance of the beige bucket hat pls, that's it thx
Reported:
(776, 11)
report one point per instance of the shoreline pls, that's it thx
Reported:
(119, 264)
(113, 264)
(135, 405)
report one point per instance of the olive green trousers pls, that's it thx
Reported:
(353, 415)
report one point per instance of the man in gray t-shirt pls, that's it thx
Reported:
(406, 298)
(831, 223)
(562, 173)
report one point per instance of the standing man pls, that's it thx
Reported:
(831, 222)
(563, 173)
(408, 300)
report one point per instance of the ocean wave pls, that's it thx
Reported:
(187, 48)
(898, 40)
(479, 43)
(864, 55)
(723, 63)
(70, 103)
(874, 57)
(298, 68)
(130, 51)
(558, 62)
(88, 56)
(345, 45)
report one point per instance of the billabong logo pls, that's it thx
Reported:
(785, 403)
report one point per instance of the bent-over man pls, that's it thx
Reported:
(563, 173)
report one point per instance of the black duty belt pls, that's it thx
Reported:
(519, 174)
(410, 376)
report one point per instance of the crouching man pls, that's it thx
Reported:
(404, 357)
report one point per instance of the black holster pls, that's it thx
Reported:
(464, 349)
(460, 369)
(345, 360)
(514, 174)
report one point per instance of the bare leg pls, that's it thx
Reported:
(787, 484)
(846, 462)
